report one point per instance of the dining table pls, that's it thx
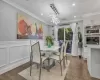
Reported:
(48, 51)
(52, 48)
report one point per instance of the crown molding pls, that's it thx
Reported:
(91, 14)
(24, 10)
(71, 21)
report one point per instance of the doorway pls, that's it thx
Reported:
(68, 37)
(63, 35)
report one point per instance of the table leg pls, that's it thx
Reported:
(48, 64)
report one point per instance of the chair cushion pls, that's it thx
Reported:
(57, 53)
(36, 60)
(56, 57)
(65, 54)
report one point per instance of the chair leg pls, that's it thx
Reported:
(31, 58)
(61, 68)
(37, 66)
(40, 71)
(30, 69)
(66, 59)
(64, 62)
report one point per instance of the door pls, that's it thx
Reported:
(68, 37)
(61, 36)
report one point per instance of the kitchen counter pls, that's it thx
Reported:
(93, 60)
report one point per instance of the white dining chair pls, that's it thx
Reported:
(56, 43)
(42, 44)
(65, 54)
(36, 57)
(58, 58)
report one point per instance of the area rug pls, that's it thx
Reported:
(54, 74)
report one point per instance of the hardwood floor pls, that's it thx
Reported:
(77, 71)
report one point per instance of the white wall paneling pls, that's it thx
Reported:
(3, 57)
(17, 53)
(13, 54)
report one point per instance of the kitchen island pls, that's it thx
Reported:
(93, 60)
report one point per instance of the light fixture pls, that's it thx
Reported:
(54, 19)
(41, 14)
(54, 8)
(74, 16)
(73, 4)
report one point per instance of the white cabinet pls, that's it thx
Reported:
(85, 52)
(93, 61)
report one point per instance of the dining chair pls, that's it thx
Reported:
(56, 43)
(65, 54)
(35, 57)
(58, 58)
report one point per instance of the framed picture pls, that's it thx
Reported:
(28, 29)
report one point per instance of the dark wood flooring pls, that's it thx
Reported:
(77, 71)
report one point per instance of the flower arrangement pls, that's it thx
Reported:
(49, 41)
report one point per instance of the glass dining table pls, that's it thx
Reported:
(48, 51)
(52, 48)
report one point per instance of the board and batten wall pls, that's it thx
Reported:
(13, 52)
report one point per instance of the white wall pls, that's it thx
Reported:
(8, 22)
(13, 52)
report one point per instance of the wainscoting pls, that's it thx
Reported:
(13, 54)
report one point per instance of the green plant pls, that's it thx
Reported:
(68, 34)
(61, 34)
(49, 40)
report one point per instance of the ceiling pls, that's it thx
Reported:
(64, 7)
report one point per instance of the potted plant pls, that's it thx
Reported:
(49, 41)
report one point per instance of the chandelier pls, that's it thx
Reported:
(54, 19)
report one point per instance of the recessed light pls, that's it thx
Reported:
(73, 4)
(74, 16)
(42, 14)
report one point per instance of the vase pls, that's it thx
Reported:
(49, 44)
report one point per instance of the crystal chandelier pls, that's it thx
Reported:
(54, 19)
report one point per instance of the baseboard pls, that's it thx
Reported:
(13, 65)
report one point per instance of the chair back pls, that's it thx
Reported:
(65, 46)
(62, 51)
(56, 43)
(35, 52)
